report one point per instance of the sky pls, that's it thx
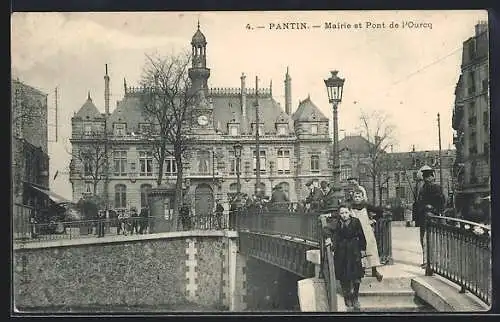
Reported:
(408, 73)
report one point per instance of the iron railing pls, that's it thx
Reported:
(383, 235)
(460, 251)
(57, 230)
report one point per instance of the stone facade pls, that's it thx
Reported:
(294, 147)
(154, 271)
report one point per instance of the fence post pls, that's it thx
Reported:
(427, 227)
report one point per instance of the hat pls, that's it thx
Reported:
(308, 183)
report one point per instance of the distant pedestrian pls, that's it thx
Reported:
(100, 223)
(185, 216)
(354, 185)
(219, 212)
(144, 219)
(134, 220)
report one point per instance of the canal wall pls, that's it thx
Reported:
(166, 269)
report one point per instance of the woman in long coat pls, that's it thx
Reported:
(360, 210)
(346, 236)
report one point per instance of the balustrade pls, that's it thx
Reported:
(460, 251)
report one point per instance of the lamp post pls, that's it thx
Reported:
(334, 86)
(237, 153)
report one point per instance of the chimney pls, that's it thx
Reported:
(288, 93)
(106, 92)
(243, 104)
(481, 27)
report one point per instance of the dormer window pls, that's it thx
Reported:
(144, 128)
(233, 130)
(314, 129)
(261, 128)
(87, 128)
(119, 129)
(282, 129)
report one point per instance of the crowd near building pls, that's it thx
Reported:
(471, 120)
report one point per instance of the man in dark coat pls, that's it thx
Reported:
(279, 199)
(219, 211)
(143, 225)
(315, 196)
(185, 216)
(430, 198)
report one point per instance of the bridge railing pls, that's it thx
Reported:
(460, 251)
(56, 230)
(279, 221)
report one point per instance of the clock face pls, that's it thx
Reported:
(202, 120)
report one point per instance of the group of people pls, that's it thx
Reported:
(126, 221)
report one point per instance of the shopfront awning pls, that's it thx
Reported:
(52, 195)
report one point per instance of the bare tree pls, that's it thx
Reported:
(92, 155)
(379, 132)
(167, 101)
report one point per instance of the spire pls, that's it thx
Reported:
(88, 96)
(271, 87)
(124, 85)
(198, 23)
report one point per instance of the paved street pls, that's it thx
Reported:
(406, 247)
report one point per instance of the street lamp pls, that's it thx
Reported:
(334, 86)
(237, 153)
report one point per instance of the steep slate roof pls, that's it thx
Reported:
(308, 111)
(228, 107)
(88, 110)
(355, 144)
(129, 111)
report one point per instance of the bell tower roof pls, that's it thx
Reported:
(198, 37)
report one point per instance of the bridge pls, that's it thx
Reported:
(457, 276)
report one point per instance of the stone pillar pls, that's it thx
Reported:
(234, 276)
(161, 208)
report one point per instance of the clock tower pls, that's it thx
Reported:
(203, 122)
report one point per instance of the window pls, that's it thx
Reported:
(345, 172)
(396, 177)
(233, 187)
(204, 162)
(283, 165)
(145, 188)
(232, 163)
(315, 163)
(87, 128)
(144, 128)
(170, 166)
(88, 188)
(485, 85)
(261, 129)
(119, 129)
(120, 196)
(314, 129)
(282, 129)
(262, 161)
(146, 163)
(87, 167)
(233, 130)
(400, 192)
(120, 163)
(472, 83)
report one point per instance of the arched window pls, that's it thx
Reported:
(233, 187)
(120, 196)
(203, 161)
(144, 194)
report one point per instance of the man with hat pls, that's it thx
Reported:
(315, 195)
(430, 199)
(279, 199)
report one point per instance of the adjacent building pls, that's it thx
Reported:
(396, 179)
(294, 146)
(471, 120)
(30, 160)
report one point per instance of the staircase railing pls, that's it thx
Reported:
(460, 251)
(327, 271)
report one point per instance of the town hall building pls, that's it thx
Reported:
(294, 147)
